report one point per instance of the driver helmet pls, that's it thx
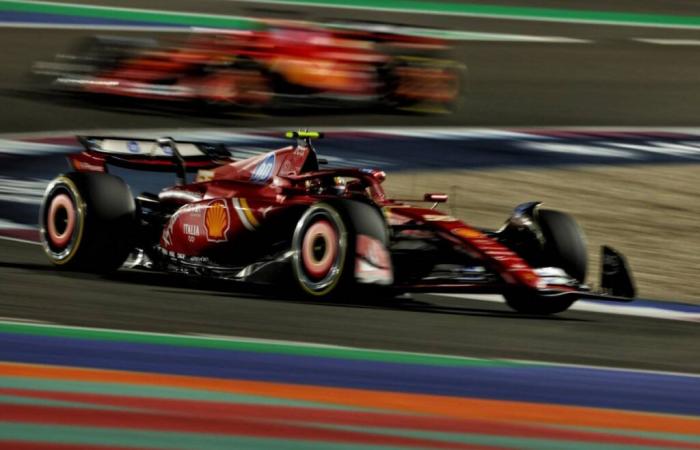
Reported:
(327, 186)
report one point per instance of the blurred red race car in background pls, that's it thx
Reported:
(283, 63)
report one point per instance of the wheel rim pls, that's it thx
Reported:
(319, 249)
(320, 246)
(62, 220)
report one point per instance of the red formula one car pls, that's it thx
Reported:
(280, 217)
(283, 63)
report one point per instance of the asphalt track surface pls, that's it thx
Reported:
(137, 300)
(613, 80)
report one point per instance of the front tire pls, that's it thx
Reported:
(564, 247)
(441, 82)
(87, 222)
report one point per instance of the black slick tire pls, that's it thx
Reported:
(87, 222)
(564, 247)
(324, 246)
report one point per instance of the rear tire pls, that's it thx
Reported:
(87, 222)
(321, 251)
(564, 247)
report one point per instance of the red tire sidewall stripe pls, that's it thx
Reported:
(319, 268)
(61, 201)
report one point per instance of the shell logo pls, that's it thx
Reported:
(216, 220)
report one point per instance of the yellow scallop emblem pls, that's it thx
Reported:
(216, 220)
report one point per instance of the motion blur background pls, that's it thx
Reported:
(591, 107)
(537, 69)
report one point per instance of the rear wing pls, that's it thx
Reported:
(163, 154)
(129, 148)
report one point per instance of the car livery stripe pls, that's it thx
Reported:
(242, 212)
(248, 212)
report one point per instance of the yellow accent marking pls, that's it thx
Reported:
(302, 134)
(248, 213)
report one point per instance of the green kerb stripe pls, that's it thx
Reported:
(637, 434)
(297, 349)
(159, 392)
(409, 6)
(129, 14)
(468, 9)
(525, 443)
(161, 439)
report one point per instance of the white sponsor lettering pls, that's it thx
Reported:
(191, 229)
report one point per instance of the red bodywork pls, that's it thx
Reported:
(302, 60)
(231, 200)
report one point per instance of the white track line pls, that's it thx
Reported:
(463, 35)
(451, 35)
(298, 3)
(529, 18)
(94, 27)
(160, 12)
(13, 320)
(637, 311)
(678, 42)
(457, 35)
(605, 308)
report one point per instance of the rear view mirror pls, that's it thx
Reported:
(435, 197)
